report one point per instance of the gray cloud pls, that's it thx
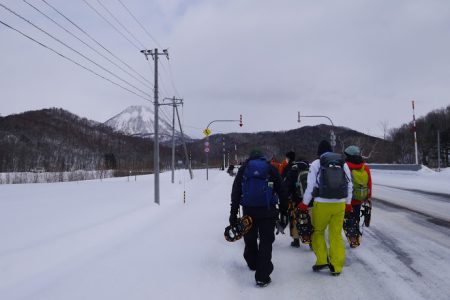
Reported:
(360, 62)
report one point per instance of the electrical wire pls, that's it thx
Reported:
(172, 80)
(156, 42)
(139, 23)
(112, 25)
(86, 44)
(121, 24)
(138, 41)
(76, 51)
(93, 39)
(71, 60)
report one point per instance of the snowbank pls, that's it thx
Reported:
(48, 177)
(425, 179)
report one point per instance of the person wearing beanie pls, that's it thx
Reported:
(329, 206)
(286, 164)
(324, 146)
(255, 188)
(362, 190)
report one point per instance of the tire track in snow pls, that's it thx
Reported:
(438, 196)
(430, 218)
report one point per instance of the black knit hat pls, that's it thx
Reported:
(256, 153)
(291, 155)
(324, 146)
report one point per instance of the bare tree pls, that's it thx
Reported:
(384, 126)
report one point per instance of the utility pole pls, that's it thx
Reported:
(188, 161)
(154, 53)
(439, 150)
(174, 104)
(223, 150)
(415, 134)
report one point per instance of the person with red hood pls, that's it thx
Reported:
(362, 191)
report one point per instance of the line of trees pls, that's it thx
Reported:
(56, 140)
(428, 126)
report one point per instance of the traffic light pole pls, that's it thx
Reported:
(207, 139)
(332, 134)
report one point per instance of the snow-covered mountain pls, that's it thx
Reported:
(138, 121)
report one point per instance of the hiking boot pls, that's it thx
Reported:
(333, 272)
(317, 268)
(295, 243)
(260, 283)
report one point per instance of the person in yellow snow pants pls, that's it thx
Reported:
(331, 215)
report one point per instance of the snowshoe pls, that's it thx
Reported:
(351, 230)
(243, 226)
(304, 227)
(366, 212)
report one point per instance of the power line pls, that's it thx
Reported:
(140, 24)
(93, 39)
(86, 44)
(112, 25)
(76, 51)
(120, 23)
(147, 32)
(169, 74)
(73, 61)
(172, 80)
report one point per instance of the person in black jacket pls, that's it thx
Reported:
(291, 183)
(258, 257)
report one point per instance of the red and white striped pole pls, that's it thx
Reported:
(415, 133)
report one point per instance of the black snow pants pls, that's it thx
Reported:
(259, 257)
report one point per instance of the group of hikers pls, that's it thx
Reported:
(310, 198)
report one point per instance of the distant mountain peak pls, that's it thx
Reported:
(137, 120)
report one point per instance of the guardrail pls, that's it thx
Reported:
(399, 167)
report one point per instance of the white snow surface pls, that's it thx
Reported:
(415, 190)
(108, 240)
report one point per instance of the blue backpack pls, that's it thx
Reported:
(257, 190)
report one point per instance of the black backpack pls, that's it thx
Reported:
(333, 180)
(302, 169)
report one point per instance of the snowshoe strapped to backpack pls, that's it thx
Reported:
(243, 226)
(333, 183)
(302, 178)
(304, 226)
(257, 190)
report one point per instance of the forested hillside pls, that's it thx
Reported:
(427, 132)
(57, 140)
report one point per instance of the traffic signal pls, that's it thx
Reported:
(240, 121)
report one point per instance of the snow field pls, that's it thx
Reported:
(108, 240)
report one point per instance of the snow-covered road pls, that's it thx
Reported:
(107, 240)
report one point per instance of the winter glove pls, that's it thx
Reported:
(233, 220)
(284, 219)
(302, 207)
(348, 208)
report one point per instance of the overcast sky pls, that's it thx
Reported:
(359, 62)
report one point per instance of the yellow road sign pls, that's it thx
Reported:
(207, 132)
